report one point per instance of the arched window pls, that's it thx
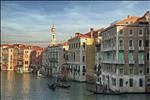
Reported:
(131, 82)
(140, 43)
(120, 42)
(140, 82)
(130, 32)
(121, 82)
(130, 43)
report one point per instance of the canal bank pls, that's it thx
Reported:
(28, 87)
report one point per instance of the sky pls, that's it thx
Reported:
(30, 21)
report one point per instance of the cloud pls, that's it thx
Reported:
(32, 21)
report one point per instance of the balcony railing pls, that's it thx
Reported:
(131, 48)
(108, 49)
(121, 47)
(141, 62)
(121, 62)
(131, 61)
(107, 61)
(141, 48)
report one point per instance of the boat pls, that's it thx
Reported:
(101, 89)
(105, 92)
(63, 85)
(52, 87)
(19, 71)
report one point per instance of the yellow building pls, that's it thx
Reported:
(9, 58)
(26, 58)
(81, 55)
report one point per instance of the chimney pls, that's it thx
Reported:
(129, 16)
(92, 31)
(77, 34)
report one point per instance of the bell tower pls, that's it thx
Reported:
(53, 35)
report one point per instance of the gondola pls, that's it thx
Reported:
(63, 85)
(105, 93)
(52, 87)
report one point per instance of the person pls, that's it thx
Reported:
(53, 86)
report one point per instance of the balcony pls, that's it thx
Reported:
(114, 48)
(121, 62)
(131, 61)
(131, 48)
(141, 48)
(107, 61)
(121, 47)
(141, 62)
(108, 49)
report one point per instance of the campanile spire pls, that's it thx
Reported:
(53, 35)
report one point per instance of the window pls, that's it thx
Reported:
(120, 42)
(121, 32)
(83, 74)
(147, 71)
(140, 82)
(131, 70)
(147, 43)
(84, 44)
(64, 56)
(83, 70)
(121, 70)
(121, 56)
(131, 82)
(83, 59)
(114, 81)
(147, 56)
(140, 43)
(26, 62)
(79, 45)
(130, 43)
(121, 82)
(130, 32)
(140, 32)
(131, 56)
(141, 56)
(148, 31)
(74, 56)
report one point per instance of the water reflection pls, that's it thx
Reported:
(28, 87)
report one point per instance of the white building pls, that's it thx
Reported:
(53, 58)
(125, 61)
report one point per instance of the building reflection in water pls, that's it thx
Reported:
(9, 84)
(26, 79)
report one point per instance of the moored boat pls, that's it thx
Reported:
(63, 85)
(20, 71)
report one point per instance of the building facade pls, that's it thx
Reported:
(9, 58)
(16, 57)
(81, 55)
(53, 58)
(124, 49)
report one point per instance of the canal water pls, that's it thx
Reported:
(28, 87)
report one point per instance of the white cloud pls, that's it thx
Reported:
(33, 24)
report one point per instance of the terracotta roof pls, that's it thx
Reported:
(95, 32)
(64, 44)
(22, 46)
(129, 19)
(79, 36)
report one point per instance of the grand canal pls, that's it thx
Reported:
(28, 87)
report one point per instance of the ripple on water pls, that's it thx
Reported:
(29, 87)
